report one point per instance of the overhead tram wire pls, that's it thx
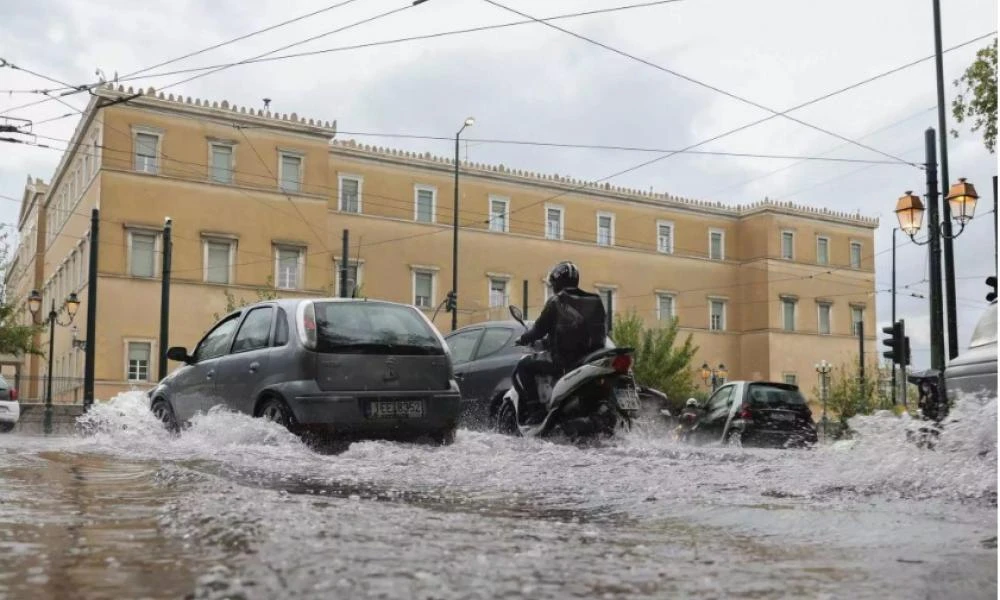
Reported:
(754, 123)
(698, 82)
(77, 89)
(132, 77)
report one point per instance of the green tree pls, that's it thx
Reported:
(848, 396)
(15, 338)
(267, 292)
(659, 362)
(977, 98)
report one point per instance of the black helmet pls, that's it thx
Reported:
(563, 275)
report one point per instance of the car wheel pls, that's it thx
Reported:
(507, 420)
(6, 427)
(444, 438)
(275, 409)
(165, 414)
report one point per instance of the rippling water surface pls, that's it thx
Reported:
(238, 508)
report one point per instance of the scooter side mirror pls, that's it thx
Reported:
(517, 314)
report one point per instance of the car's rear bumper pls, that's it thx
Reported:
(350, 413)
(10, 412)
(779, 437)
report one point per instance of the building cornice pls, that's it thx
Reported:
(567, 185)
(220, 111)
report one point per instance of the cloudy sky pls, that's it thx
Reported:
(531, 82)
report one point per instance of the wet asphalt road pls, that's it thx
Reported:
(238, 508)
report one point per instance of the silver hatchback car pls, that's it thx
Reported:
(349, 368)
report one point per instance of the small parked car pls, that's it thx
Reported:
(974, 372)
(10, 409)
(339, 367)
(756, 413)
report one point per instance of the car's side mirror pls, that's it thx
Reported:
(179, 354)
(517, 314)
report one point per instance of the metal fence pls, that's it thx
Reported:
(65, 390)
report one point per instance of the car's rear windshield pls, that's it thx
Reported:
(767, 395)
(373, 327)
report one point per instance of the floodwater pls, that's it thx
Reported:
(238, 508)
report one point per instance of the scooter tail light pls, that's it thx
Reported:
(622, 363)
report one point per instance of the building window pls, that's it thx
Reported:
(350, 194)
(608, 296)
(221, 167)
(856, 255)
(823, 251)
(499, 214)
(353, 277)
(147, 152)
(288, 267)
(605, 229)
(664, 307)
(717, 315)
(787, 245)
(791, 379)
(554, 222)
(424, 201)
(423, 289)
(138, 361)
(824, 318)
(218, 261)
(498, 292)
(716, 244)
(142, 253)
(290, 172)
(665, 237)
(857, 316)
(788, 314)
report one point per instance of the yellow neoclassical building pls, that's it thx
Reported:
(261, 201)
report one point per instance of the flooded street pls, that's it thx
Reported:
(238, 508)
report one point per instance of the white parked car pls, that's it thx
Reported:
(10, 410)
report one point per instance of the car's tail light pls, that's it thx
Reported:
(745, 412)
(13, 394)
(307, 325)
(621, 363)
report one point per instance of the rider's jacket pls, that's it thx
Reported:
(576, 324)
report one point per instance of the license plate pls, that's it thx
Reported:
(783, 416)
(627, 398)
(393, 409)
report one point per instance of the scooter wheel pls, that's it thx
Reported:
(507, 420)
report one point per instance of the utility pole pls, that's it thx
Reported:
(524, 299)
(345, 252)
(995, 218)
(168, 249)
(893, 364)
(611, 310)
(861, 353)
(949, 253)
(934, 249)
(91, 341)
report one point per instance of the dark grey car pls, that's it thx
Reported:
(351, 368)
(484, 356)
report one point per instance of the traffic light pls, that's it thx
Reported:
(992, 282)
(906, 350)
(895, 335)
(450, 302)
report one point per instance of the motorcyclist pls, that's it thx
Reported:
(575, 323)
(691, 413)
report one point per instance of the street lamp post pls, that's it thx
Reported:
(454, 238)
(717, 376)
(823, 368)
(961, 200)
(35, 305)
